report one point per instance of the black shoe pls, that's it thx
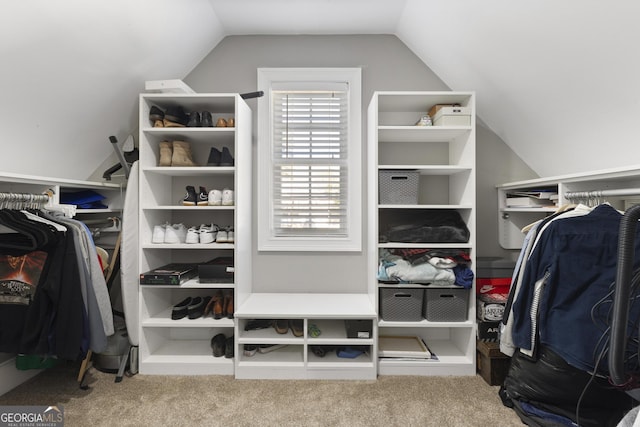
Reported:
(250, 349)
(218, 344)
(225, 158)
(206, 120)
(281, 326)
(191, 198)
(155, 114)
(176, 115)
(228, 347)
(194, 120)
(181, 309)
(196, 308)
(254, 324)
(203, 197)
(214, 157)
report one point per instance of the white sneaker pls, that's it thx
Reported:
(176, 233)
(230, 235)
(158, 233)
(227, 197)
(222, 236)
(215, 198)
(193, 235)
(208, 233)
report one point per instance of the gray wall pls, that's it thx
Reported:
(387, 64)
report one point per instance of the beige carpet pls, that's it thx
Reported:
(144, 400)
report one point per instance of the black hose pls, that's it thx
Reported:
(626, 249)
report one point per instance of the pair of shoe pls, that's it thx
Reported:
(175, 153)
(220, 198)
(251, 349)
(191, 307)
(172, 117)
(169, 233)
(200, 119)
(220, 305)
(222, 346)
(206, 233)
(228, 123)
(225, 235)
(282, 326)
(193, 198)
(220, 158)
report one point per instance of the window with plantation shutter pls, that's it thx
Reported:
(309, 154)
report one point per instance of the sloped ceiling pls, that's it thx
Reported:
(557, 81)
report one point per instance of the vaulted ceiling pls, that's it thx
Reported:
(556, 80)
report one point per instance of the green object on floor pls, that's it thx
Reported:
(28, 361)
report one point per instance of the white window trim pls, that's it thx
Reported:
(267, 241)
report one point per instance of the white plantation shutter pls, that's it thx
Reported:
(309, 159)
(310, 181)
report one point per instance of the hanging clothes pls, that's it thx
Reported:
(53, 298)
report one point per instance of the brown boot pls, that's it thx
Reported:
(218, 305)
(228, 304)
(166, 152)
(182, 154)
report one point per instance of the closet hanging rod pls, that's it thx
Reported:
(23, 199)
(572, 195)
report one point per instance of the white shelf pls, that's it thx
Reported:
(298, 306)
(448, 162)
(183, 347)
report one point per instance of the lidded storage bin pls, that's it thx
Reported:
(401, 305)
(398, 187)
(446, 305)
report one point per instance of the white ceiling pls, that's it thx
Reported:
(556, 80)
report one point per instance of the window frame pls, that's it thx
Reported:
(266, 237)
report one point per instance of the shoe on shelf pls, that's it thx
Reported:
(281, 326)
(250, 350)
(268, 348)
(166, 153)
(228, 304)
(226, 159)
(227, 197)
(229, 347)
(215, 198)
(214, 157)
(297, 327)
(231, 122)
(181, 155)
(175, 117)
(218, 345)
(155, 114)
(193, 235)
(314, 331)
(159, 233)
(222, 236)
(194, 120)
(218, 305)
(206, 120)
(203, 197)
(176, 233)
(196, 308)
(221, 123)
(191, 197)
(231, 236)
(180, 310)
(255, 324)
(208, 233)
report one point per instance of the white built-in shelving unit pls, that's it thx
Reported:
(444, 157)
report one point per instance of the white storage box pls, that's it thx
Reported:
(452, 116)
